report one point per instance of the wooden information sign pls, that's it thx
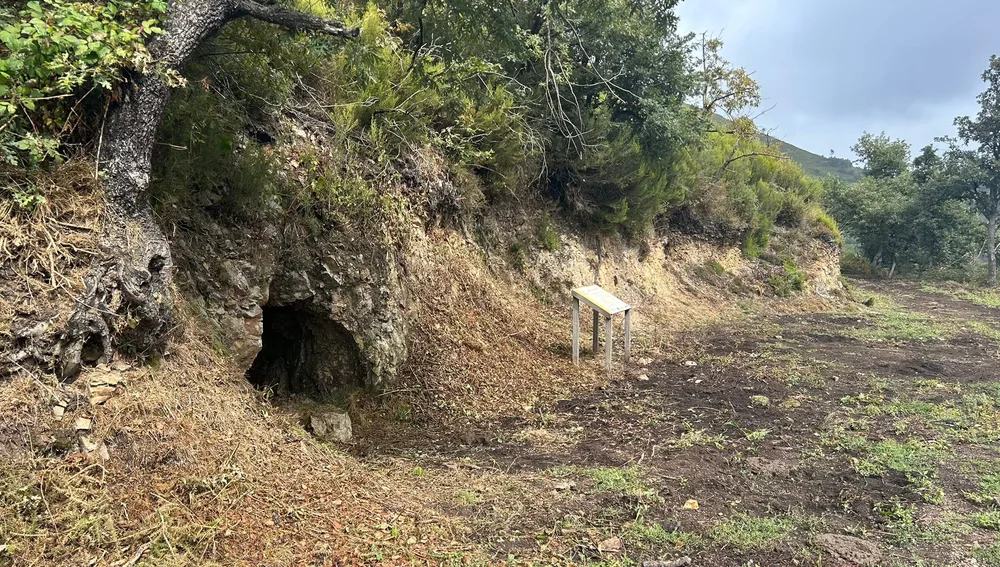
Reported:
(602, 303)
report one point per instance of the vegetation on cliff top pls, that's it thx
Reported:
(583, 102)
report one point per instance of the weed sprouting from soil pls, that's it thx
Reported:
(748, 532)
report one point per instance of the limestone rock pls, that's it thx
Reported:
(855, 551)
(331, 426)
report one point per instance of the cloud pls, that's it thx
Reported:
(836, 69)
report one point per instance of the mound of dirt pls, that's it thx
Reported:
(854, 550)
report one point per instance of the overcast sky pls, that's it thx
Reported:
(835, 68)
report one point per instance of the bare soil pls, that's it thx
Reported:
(768, 419)
(851, 436)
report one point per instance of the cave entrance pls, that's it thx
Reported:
(303, 353)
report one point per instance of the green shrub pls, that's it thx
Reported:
(825, 226)
(547, 235)
(51, 51)
(791, 279)
(793, 211)
(852, 263)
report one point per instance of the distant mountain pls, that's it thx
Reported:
(817, 165)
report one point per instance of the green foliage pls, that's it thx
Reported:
(903, 219)
(547, 235)
(789, 280)
(584, 100)
(746, 197)
(989, 556)
(987, 520)
(882, 157)
(55, 52)
(751, 533)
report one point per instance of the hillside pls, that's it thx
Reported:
(268, 319)
(821, 166)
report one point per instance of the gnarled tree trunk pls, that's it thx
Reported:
(127, 304)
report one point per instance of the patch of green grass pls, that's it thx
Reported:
(805, 376)
(928, 410)
(848, 434)
(627, 480)
(653, 534)
(918, 460)
(986, 520)
(901, 522)
(469, 498)
(984, 297)
(757, 434)
(936, 290)
(746, 532)
(759, 401)
(989, 490)
(988, 556)
(790, 280)
(893, 325)
(983, 329)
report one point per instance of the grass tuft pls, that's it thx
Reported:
(747, 532)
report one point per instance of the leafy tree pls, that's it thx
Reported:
(927, 165)
(603, 81)
(905, 216)
(974, 161)
(881, 157)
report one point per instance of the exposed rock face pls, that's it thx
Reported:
(331, 306)
(331, 426)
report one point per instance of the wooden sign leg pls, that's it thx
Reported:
(628, 335)
(596, 335)
(607, 344)
(576, 331)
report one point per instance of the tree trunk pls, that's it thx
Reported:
(991, 247)
(127, 304)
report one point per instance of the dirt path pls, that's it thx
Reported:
(847, 438)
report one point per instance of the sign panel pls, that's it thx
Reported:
(600, 300)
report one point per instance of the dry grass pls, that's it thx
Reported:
(44, 251)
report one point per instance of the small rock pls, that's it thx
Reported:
(331, 426)
(848, 548)
(691, 504)
(612, 544)
(83, 424)
(58, 411)
(642, 377)
(645, 361)
(87, 445)
(101, 394)
(690, 363)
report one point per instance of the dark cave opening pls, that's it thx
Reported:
(305, 354)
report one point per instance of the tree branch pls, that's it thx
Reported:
(292, 19)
